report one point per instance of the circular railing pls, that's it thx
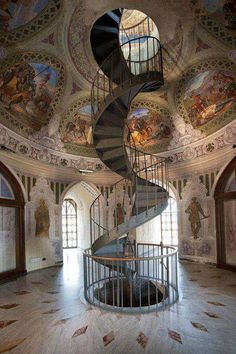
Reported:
(144, 282)
(133, 64)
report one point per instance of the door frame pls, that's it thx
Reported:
(18, 204)
(220, 197)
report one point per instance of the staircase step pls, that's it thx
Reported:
(109, 142)
(119, 164)
(144, 187)
(114, 16)
(109, 131)
(121, 106)
(105, 28)
(105, 46)
(112, 153)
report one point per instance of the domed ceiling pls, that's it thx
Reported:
(47, 68)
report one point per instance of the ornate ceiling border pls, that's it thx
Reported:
(211, 64)
(207, 146)
(25, 147)
(8, 118)
(215, 27)
(35, 25)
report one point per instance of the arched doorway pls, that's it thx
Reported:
(225, 198)
(164, 227)
(12, 241)
(75, 205)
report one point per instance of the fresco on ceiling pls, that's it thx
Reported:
(223, 11)
(209, 94)
(16, 13)
(28, 89)
(148, 127)
(173, 48)
(78, 129)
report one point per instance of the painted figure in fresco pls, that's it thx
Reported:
(27, 88)
(140, 130)
(209, 94)
(15, 13)
(119, 214)
(148, 127)
(195, 210)
(42, 220)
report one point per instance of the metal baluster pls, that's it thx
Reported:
(105, 279)
(113, 287)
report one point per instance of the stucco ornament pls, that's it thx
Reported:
(49, 135)
(230, 134)
(184, 133)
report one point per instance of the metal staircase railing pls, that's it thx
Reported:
(146, 60)
(143, 166)
(141, 194)
(145, 27)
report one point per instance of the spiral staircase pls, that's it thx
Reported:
(125, 69)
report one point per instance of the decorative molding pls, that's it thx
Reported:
(23, 146)
(184, 133)
(44, 18)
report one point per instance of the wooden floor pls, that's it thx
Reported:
(45, 312)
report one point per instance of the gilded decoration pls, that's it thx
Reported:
(19, 20)
(31, 86)
(206, 95)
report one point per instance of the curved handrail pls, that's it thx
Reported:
(138, 171)
(125, 259)
(103, 84)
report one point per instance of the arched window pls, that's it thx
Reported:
(225, 197)
(69, 224)
(12, 248)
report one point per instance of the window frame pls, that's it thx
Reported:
(66, 216)
(18, 203)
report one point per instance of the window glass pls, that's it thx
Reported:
(69, 224)
(167, 224)
(5, 189)
(231, 184)
(7, 239)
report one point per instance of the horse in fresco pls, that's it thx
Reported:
(76, 130)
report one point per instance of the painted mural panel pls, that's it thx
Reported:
(7, 239)
(208, 95)
(77, 130)
(28, 89)
(230, 231)
(148, 127)
(16, 13)
(224, 11)
(42, 220)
